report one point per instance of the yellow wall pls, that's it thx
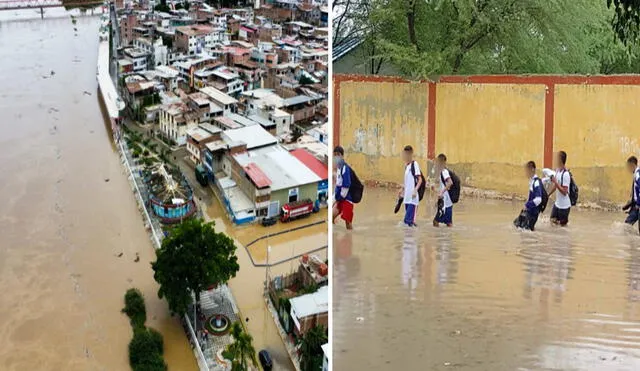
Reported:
(377, 120)
(488, 131)
(598, 128)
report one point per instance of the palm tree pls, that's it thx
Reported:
(241, 349)
(310, 346)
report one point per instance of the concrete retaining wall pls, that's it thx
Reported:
(489, 126)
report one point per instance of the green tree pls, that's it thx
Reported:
(145, 350)
(162, 7)
(191, 259)
(626, 19)
(241, 351)
(310, 346)
(134, 307)
(435, 37)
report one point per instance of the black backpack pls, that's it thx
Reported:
(454, 191)
(357, 188)
(545, 197)
(423, 185)
(573, 189)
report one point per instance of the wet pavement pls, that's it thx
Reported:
(67, 212)
(482, 295)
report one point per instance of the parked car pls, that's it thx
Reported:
(266, 222)
(265, 360)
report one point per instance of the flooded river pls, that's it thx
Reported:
(67, 211)
(483, 296)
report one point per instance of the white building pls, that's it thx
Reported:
(325, 358)
(138, 58)
(159, 51)
(175, 120)
(228, 103)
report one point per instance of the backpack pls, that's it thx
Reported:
(423, 185)
(454, 191)
(545, 197)
(573, 189)
(357, 188)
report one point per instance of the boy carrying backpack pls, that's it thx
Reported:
(448, 194)
(348, 190)
(413, 188)
(536, 202)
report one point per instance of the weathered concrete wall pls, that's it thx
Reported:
(598, 127)
(488, 131)
(489, 126)
(378, 120)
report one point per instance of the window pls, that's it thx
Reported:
(293, 194)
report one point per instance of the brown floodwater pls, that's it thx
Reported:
(67, 210)
(248, 285)
(482, 295)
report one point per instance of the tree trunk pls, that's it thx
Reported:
(411, 22)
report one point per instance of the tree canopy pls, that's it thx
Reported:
(241, 350)
(435, 37)
(193, 258)
(311, 348)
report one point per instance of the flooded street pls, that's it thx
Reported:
(67, 211)
(483, 296)
(247, 286)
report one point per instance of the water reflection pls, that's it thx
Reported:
(483, 295)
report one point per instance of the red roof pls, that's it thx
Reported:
(260, 179)
(315, 165)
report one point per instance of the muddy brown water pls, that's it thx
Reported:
(483, 296)
(67, 211)
(248, 285)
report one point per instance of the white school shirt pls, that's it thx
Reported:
(445, 197)
(410, 183)
(563, 201)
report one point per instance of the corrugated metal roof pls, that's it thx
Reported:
(345, 47)
(311, 304)
(312, 163)
(260, 179)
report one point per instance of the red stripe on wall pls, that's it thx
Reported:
(431, 122)
(336, 111)
(544, 79)
(549, 102)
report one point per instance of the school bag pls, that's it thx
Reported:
(357, 188)
(423, 185)
(573, 189)
(454, 191)
(545, 197)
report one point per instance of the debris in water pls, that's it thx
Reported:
(106, 180)
(120, 255)
(53, 72)
(447, 363)
(137, 259)
(360, 319)
(87, 93)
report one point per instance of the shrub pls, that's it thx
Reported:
(145, 152)
(134, 308)
(145, 351)
(156, 338)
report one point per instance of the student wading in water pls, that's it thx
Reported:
(633, 206)
(348, 191)
(413, 182)
(534, 205)
(444, 212)
(561, 181)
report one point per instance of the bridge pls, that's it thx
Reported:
(41, 4)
